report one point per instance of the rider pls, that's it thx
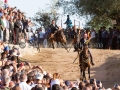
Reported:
(54, 27)
(86, 54)
(78, 39)
(73, 36)
(68, 22)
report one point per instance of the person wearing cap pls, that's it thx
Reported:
(67, 83)
(6, 49)
(38, 79)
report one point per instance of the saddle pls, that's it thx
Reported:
(86, 59)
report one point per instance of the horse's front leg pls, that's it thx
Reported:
(81, 73)
(53, 44)
(83, 70)
(89, 71)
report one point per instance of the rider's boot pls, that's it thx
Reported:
(92, 62)
(80, 64)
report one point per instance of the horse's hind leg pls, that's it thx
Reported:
(83, 70)
(81, 73)
(65, 47)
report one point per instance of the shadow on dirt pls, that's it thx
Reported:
(109, 72)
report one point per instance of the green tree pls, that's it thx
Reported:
(44, 17)
(101, 12)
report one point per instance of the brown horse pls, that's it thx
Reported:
(86, 62)
(58, 37)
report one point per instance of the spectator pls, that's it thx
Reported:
(55, 79)
(23, 84)
(93, 36)
(56, 87)
(17, 27)
(30, 36)
(81, 85)
(16, 88)
(41, 36)
(109, 37)
(114, 38)
(11, 29)
(100, 35)
(104, 37)
(74, 88)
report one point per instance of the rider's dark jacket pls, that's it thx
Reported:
(54, 28)
(73, 34)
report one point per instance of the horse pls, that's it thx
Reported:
(86, 63)
(58, 37)
(68, 33)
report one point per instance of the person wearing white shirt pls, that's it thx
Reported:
(30, 34)
(55, 80)
(41, 36)
(93, 34)
(23, 85)
(93, 37)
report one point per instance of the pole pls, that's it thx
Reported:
(61, 23)
(74, 22)
(79, 24)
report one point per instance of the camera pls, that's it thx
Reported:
(25, 63)
(91, 81)
(36, 67)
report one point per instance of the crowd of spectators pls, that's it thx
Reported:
(110, 39)
(13, 24)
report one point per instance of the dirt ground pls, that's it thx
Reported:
(106, 68)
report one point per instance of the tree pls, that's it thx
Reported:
(99, 11)
(44, 17)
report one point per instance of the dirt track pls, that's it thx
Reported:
(106, 68)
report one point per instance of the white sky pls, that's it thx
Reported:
(29, 6)
(33, 6)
